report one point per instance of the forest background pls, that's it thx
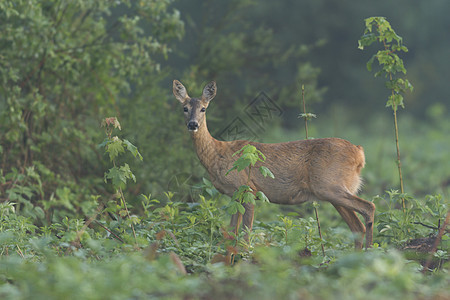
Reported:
(67, 65)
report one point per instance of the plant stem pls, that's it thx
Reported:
(399, 164)
(304, 111)
(320, 231)
(315, 208)
(238, 224)
(112, 233)
(122, 197)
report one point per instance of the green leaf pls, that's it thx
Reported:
(249, 158)
(133, 149)
(408, 86)
(370, 62)
(266, 172)
(261, 196)
(261, 156)
(235, 207)
(395, 101)
(239, 193)
(366, 40)
(307, 116)
(249, 149)
(248, 198)
(240, 208)
(117, 177)
(114, 148)
(232, 208)
(241, 164)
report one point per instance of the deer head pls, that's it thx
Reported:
(194, 108)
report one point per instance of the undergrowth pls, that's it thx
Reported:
(176, 250)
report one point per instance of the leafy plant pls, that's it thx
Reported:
(379, 30)
(118, 175)
(307, 117)
(249, 156)
(422, 217)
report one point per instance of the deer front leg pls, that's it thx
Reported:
(246, 219)
(234, 221)
(248, 216)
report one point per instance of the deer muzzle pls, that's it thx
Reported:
(192, 126)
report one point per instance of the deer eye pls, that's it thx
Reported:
(186, 109)
(203, 109)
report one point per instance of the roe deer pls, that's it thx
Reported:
(324, 169)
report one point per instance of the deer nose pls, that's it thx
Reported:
(192, 125)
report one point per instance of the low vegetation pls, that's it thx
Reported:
(123, 211)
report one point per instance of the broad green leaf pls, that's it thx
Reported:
(235, 207)
(240, 208)
(266, 172)
(241, 164)
(117, 177)
(261, 157)
(133, 149)
(248, 149)
(408, 85)
(370, 62)
(232, 209)
(249, 158)
(261, 196)
(114, 148)
(248, 198)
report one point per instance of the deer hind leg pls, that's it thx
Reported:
(353, 222)
(341, 197)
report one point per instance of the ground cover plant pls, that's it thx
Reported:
(124, 211)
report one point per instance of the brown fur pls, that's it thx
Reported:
(325, 169)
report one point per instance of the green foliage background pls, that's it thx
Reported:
(66, 65)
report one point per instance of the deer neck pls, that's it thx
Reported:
(205, 146)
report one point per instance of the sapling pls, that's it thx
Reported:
(379, 30)
(308, 116)
(118, 175)
(249, 156)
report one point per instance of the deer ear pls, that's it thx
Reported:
(209, 92)
(179, 91)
